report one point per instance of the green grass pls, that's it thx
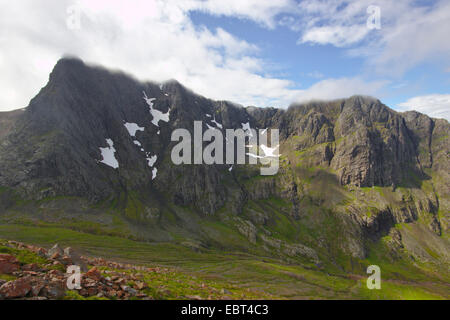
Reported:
(74, 295)
(398, 291)
(28, 257)
(24, 256)
(7, 277)
(241, 274)
(371, 211)
(118, 227)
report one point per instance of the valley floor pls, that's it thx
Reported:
(186, 274)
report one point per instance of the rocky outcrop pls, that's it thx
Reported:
(291, 250)
(247, 229)
(302, 250)
(55, 252)
(7, 121)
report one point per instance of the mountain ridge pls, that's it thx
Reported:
(354, 174)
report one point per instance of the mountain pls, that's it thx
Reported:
(358, 184)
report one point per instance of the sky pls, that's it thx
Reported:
(253, 52)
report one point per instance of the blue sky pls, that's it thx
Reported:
(253, 52)
(305, 64)
(302, 63)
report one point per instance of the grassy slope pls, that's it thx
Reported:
(243, 275)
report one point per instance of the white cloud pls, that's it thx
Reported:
(416, 37)
(156, 40)
(263, 12)
(153, 40)
(411, 33)
(340, 23)
(339, 36)
(340, 88)
(434, 105)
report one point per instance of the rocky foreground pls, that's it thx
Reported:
(33, 273)
(49, 281)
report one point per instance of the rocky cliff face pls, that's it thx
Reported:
(352, 163)
(363, 140)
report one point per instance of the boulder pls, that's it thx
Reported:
(36, 287)
(55, 256)
(55, 252)
(141, 285)
(65, 260)
(8, 264)
(31, 267)
(94, 274)
(16, 288)
(41, 252)
(75, 258)
(54, 290)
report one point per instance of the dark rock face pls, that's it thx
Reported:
(7, 120)
(55, 144)
(53, 148)
(365, 141)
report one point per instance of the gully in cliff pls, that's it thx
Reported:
(249, 144)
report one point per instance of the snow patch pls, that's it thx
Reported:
(132, 128)
(154, 172)
(254, 155)
(151, 160)
(137, 143)
(268, 152)
(108, 155)
(247, 129)
(216, 123)
(157, 115)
